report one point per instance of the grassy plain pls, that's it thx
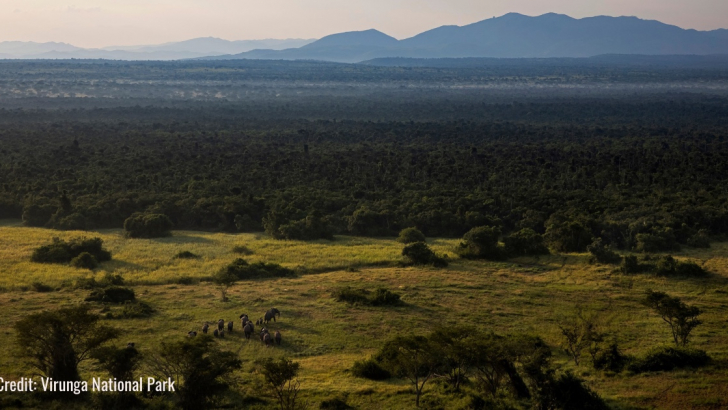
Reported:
(526, 295)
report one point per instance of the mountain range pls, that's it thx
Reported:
(513, 36)
(198, 47)
(510, 36)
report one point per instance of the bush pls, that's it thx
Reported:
(136, 310)
(334, 404)
(689, 269)
(662, 240)
(602, 253)
(259, 270)
(60, 251)
(668, 266)
(242, 250)
(481, 242)
(370, 369)
(111, 295)
(410, 235)
(668, 358)
(525, 242)
(85, 261)
(700, 240)
(40, 287)
(186, 255)
(419, 253)
(147, 226)
(568, 392)
(630, 264)
(611, 359)
(380, 297)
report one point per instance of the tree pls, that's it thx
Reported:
(580, 332)
(224, 280)
(682, 318)
(120, 363)
(410, 235)
(567, 235)
(602, 253)
(481, 242)
(198, 366)
(415, 358)
(281, 376)
(525, 242)
(419, 253)
(141, 225)
(56, 341)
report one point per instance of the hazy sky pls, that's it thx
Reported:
(96, 23)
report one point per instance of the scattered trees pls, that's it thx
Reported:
(60, 251)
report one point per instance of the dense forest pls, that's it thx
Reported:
(571, 151)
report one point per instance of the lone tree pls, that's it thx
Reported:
(198, 366)
(56, 341)
(682, 318)
(410, 235)
(481, 242)
(415, 358)
(224, 280)
(281, 376)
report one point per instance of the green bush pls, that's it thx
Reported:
(259, 270)
(630, 264)
(410, 235)
(380, 297)
(85, 261)
(481, 242)
(700, 239)
(40, 287)
(689, 269)
(242, 249)
(669, 358)
(611, 359)
(141, 225)
(568, 392)
(136, 310)
(602, 253)
(186, 255)
(525, 242)
(419, 253)
(111, 295)
(60, 251)
(335, 404)
(370, 369)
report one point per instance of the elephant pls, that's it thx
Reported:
(222, 333)
(263, 332)
(205, 327)
(191, 333)
(248, 330)
(130, 345)
(216, 333)
(244, 319)
(221, 324)
(277, 337)
(267, 339)
(271, 314)
(230, 326)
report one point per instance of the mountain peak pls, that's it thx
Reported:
(371, 38)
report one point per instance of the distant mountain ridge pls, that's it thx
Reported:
(513, 36)
(197, 47)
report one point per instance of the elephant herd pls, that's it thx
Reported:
(248, 328)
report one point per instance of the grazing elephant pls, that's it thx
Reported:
(216, 333)
(230, 326)
(205, 327)
(263, 332)
(221, 324)
(267, 339)
(277, 337)
(244, 320)
(191, 333)
(248, 330)
(271, 314)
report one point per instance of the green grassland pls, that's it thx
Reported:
(526, 295)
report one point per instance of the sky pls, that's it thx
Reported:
(98, 23)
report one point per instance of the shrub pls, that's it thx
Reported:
(334, 404)
(602, 253)
(689, 269)
(410, 235)
(380, 297)
(370, 369)
(568, 392)
(525, 242)
(136, 310)
(147, 226)
(259, 270)
(60, 251)
(668, 358)
(481, 242)
(186, 255)
(419, 253)
(111, 295)
(610, 359)
(85, 261)
(630, 264)
(40, 287)
(700, 240)
(243, 250)
(662, 240)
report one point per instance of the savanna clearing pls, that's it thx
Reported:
(525, 295)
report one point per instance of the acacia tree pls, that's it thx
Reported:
(682, 318)
(580, 332)
(415, 358)
(281, 376)
(224, 280)
(56, 341)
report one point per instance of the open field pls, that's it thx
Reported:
(526, 295)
